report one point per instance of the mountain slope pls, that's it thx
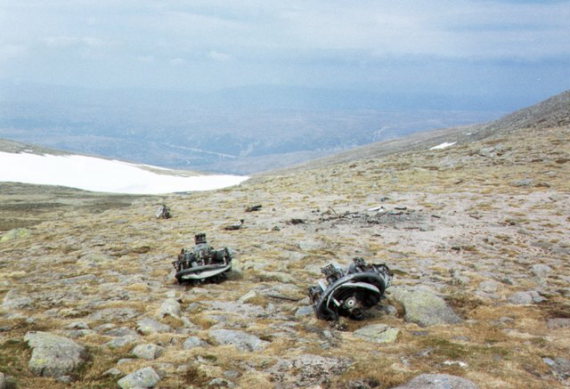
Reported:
(553, 112)
(482, 225)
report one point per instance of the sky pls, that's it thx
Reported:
(451, 47)
(103, 175)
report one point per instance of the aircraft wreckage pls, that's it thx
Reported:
(202, 263)
(348, 292)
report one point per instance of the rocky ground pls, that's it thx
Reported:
(476, 234)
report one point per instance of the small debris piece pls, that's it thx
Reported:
(296, 221)
(253, 208)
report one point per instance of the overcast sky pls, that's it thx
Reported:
(441, 46)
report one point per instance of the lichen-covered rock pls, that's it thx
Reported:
(307, 370)
(192, 342)
(147, 351)
(525, 298)
(438, 381)
(304, 311)
(241, 340)
(378, 333)
(114, 315)
(423, 307)
(14, 300)
(16, 233)
(54, 355)
(540, 270)
(150, 326)
(170, 307)
(144, 378)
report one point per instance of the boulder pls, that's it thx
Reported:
(378, 333)
(423, 307)
(114, 315)
(241, 340)
(306, 310)
(144, 378)
(148, 326)
(14, 300)
(438, 381)
(192, 342)
(540, 270)
(147, 351)
(54, 355)
(525, 298)
(170, 307)
(16, 233)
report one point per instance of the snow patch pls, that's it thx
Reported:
(102, 175)
(444, 145)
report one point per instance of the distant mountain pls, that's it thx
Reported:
(553, 112)
(239, 130)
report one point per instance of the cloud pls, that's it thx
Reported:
(219, 56)
(68, 41)
(11, 51)
(297, 41)
(177, 61)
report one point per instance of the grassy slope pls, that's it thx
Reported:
(470, 220)
(485, 229)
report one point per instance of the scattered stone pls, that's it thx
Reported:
(525, 298)
(560, 366)
(14, 300)
(540, 270)
(16, 233)
(304, 311)
(241, 340)
(252, 294)
(121, 331)
(489, 286)
(192, 342)
(114, 315)
(170, 307)
(77, 325)
(241, 309)
(148, 326)
(112, 372)
(308, 370)
(147, 351)
(423, 307)
(276, 276)
(235, 226)
(438, 381)
(308, 245)
(53, 355)
(143, 378)
(378, 333)
(221, 383)
(122, 341)
(522, 183)
(554, 324)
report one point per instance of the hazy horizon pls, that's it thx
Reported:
(189, 84)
